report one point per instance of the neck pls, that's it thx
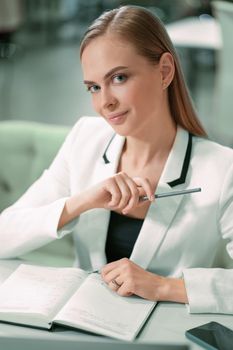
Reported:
(154, 142)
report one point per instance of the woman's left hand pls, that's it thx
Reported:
(127, 278)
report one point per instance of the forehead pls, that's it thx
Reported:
(106, 52)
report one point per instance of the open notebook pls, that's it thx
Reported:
(40, 296)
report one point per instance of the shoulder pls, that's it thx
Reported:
(211, 153)
(91, 126)
(90, 135)
(89, 129)
(92, 123)
(211, 167)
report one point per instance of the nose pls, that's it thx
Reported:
(108, 99)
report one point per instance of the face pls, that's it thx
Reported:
(126, 89)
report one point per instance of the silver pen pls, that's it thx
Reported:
(172, 193)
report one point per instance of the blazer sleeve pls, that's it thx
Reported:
(210, 290)
(32, 221)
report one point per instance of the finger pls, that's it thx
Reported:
(134, 198)
(122, 182)
(111, 275)
(124, 290)
(146, 185)
(113, 285)
(118, 264)
(115, 192)
(109, 267)
(118, 281)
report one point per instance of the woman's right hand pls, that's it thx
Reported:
(119, 192)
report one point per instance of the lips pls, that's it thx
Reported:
(117, 117)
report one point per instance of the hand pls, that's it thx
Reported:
(127, 278)
(119, 192)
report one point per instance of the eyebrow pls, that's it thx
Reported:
(107, 75)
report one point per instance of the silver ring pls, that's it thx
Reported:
(115, 283)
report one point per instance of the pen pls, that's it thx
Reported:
(93, 271)
(173, 193)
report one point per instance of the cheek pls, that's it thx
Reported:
(143, 98)
(128, 93)
(142, 93)
(151, 94)
(95, 102)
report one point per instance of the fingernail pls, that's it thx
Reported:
(152, 198)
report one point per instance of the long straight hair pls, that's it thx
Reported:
(148, 35)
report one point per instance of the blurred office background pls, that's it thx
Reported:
(40, 73)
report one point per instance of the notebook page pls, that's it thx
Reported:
(38, 290)
(96, 308)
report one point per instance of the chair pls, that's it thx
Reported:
(26, 149)
(223, 96)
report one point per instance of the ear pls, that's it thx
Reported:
(167, 69)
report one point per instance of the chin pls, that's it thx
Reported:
(122, 130)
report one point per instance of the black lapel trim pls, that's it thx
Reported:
(185, 166)
(106, 161)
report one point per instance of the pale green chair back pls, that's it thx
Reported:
(26, 149)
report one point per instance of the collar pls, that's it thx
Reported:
(113, 149)
(177, 164)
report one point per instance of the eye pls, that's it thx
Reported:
(119, 78)
(93, 88)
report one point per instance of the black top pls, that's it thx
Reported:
(121, 237)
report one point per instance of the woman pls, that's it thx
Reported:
(148, 139)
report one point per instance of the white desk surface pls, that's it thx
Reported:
(196, 32)
(167, 324)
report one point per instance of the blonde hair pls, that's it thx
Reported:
(148, 35)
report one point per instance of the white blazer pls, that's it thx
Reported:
(189, 236)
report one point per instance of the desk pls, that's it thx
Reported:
(167, 324)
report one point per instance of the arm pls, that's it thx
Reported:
(42, 212)
(40, 215)
(211, 289)
(205, 290)
(119, 193)
(32, 221)
(127, 278)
